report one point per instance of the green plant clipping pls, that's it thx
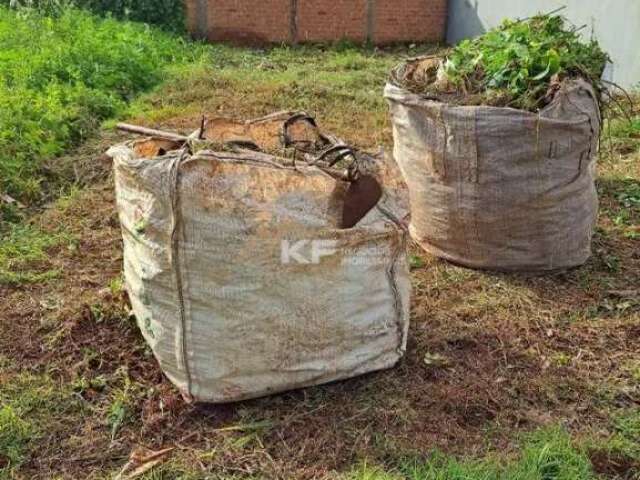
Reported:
(517, 63)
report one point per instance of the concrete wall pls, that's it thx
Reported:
(276, 21)
(616, 24)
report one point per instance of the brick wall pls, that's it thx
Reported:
(410, 20)
(276, 21)
(327, 20)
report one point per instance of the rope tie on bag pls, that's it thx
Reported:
(176, 223)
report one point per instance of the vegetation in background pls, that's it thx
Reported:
(340, 84)
(621, 145)
(59, 78)
(623, 134)
(516, 63)
(168, 14)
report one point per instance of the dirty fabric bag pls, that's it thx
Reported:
(243, 281)
(500, 188)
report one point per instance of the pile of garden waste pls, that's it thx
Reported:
(519, 64)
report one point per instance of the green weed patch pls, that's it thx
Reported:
(60, 77)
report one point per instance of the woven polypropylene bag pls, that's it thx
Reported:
(243, 282)
(500, 188)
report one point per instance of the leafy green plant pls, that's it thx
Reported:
(517, 62)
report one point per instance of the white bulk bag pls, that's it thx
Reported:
(243, 282)
(500, 188)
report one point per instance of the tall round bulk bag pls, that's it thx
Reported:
(500, 188)
(242, 279)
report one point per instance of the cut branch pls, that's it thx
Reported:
(150, 132)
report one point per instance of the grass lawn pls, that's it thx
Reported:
(542, 374)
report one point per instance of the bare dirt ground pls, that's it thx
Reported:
(514, 352)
